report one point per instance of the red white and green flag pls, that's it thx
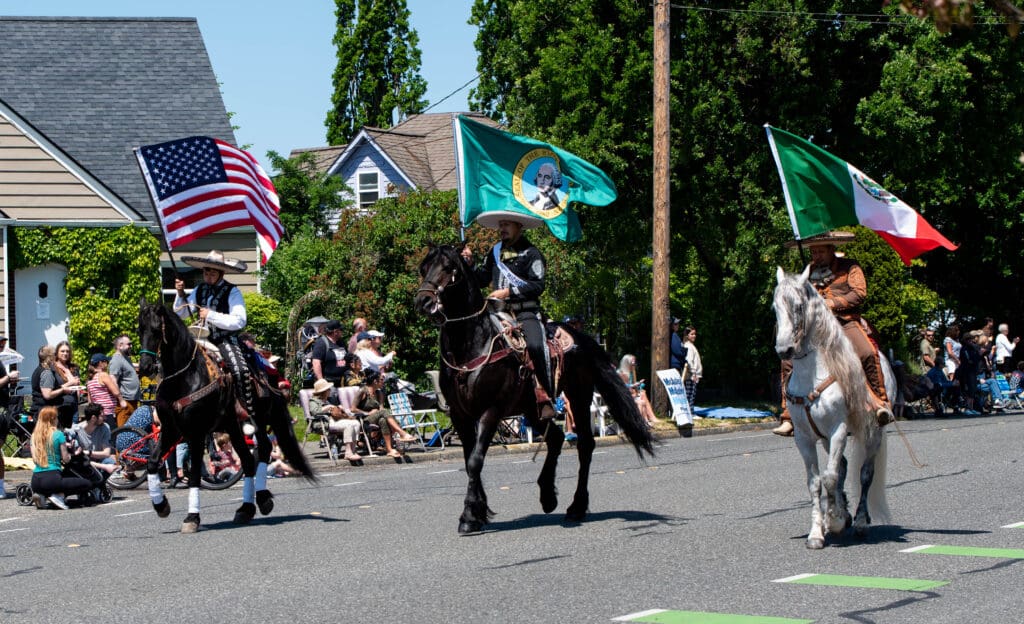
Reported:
(824, 192)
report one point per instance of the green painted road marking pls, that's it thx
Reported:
(662, 616)
(871, 582)
(1015, 525)
(968, 551)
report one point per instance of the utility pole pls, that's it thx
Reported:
(659, 296)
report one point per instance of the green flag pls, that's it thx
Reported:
(506, 175)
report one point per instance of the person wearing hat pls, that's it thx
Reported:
(221, 306)
(102, 389)
(328, 356)
(515, 270)
(340, 421)
(841, 282)
(368, 350)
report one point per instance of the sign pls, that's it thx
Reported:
(673, 383)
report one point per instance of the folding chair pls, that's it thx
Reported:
(448, 434)
(17, 437)
(598, 413)
(316, 425)
(1009, 396)
(347, 398)
(414, 421)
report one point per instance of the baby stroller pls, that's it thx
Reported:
(16, 430)
(78, 466)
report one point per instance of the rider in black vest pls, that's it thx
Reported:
(520, 284)
(221, 306)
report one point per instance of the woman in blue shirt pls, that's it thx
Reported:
(49, 451)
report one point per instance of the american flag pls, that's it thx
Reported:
(201, 185)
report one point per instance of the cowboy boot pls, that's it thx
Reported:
(785, 429)
(876, 385)
(545, 409)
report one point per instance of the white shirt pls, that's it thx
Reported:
(1004, 348)
(234, 320)
(372, 361)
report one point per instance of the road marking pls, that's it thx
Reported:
(329, 474)
(119, 502)
(134, 513)
(443, 471)
(13, 519)
(968, 551)
(870, 582)
(13, 530)
(523, 461)
(1015, 525)
(663, 616)
(349, 483)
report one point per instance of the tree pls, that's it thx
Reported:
(377, 75)
(307, 194)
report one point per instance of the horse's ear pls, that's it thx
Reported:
(779, 274)
(806, 274)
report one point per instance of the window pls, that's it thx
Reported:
(369, 188)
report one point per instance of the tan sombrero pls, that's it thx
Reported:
(835, 237)
(491, 218)
(216, 260)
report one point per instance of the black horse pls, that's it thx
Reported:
(194, 399)
(484, 383)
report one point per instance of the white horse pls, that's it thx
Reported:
(828, 400)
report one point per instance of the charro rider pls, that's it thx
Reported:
(841, 282)
(221, 306)
(515, 270)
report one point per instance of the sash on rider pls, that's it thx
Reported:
(512, 278)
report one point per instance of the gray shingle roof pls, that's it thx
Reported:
(97, 87)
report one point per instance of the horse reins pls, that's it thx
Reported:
(812, 396)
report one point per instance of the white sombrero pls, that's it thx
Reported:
(491, 218)
(216, 260)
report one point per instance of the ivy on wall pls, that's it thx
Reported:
(109, 270)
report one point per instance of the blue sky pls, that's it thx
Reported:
(275, 63)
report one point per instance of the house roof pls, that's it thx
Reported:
(421, 147)
(323, 157)
(98, 87)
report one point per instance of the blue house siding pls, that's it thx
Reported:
(366, 159)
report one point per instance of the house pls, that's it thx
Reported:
(76, 96)
(418, 153)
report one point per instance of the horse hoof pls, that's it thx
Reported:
(470, 528)
(816, 543)
(575, 514)
(548, 502)
(191, 524)
(265, 501)
(245, 513)
(163, 508)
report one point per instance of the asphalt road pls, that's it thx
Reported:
(705, 526)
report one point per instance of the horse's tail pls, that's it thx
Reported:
(877, 503)
(616, 395)
(281, 424)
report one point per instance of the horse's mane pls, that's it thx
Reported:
(824, 334)
(174, 328)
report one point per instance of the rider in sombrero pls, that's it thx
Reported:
(841, 282)
(515, 271)
(221, 306)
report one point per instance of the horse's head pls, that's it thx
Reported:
(441, 269)
(152, 337)
(790, 301)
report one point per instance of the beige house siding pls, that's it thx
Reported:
(239, 244)
(34, 187)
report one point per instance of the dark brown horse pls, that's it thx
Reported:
(484, 383)
(192, 403)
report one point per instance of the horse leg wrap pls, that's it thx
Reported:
(248, 490)
(155, 493)
(193, 500)
(261, 476)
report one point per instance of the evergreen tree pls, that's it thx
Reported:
(377, 75)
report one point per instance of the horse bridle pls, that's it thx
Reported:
(163, 341)
(436, 290)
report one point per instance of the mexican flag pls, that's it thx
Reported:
(824, 192)
(501, 173)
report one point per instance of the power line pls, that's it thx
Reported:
(882, 19)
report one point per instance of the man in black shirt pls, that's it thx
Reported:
(328, 355)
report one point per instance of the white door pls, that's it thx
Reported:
(41, 312)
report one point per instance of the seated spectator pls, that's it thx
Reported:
(279, 466)
(368, 350)
(224, 461)
(1016, 378)
(369, 402)
(102, 388)
(627, 371)
(339, 420)
(93, 436)
(49, 452)
(353, 371)
(990, 387)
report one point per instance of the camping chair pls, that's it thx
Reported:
(414, 421)
(513, 430)
(598, 413)
(448, 433)
(317, 425)
(17, 435)
(1008, 395)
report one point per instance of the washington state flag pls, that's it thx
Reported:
(507, 176)
(824, 192)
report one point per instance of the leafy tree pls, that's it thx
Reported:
(308, 195)
(377, 75)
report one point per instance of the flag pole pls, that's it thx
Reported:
(156, 211)
(456, 140)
